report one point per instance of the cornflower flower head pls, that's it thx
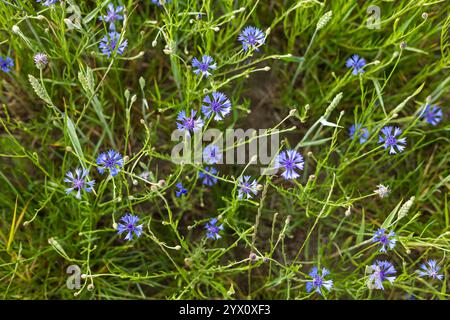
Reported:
(40, 60)
(357, 63)
(357, 130)
(391, 140)
(430, 269)
(212, 155)
(187, 123)
(110, 44)
(47, 3)
(129, 226)
(78, 182)
(213, 229)
(380, 271)
(289, 160)
(432, 114)
(246, 188)
(382, 191)
(217, 104)
(251, 37)
(203, 66)
(111, 161)
(112, 14)
(385, 239)
(208, 176)
(181, 190)
(318, 281)
(6, 64)
(158, 2)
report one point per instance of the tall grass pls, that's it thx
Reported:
(62, 117)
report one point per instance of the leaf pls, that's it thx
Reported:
(329, 124)
(391, 216)
(58, 248)
(95, 12)
(75, 141)
(362, 228)
(403, 103)
(291, 58)
(380, 97)
(314, 143)
(88, 83)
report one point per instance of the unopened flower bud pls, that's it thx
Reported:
(15, 29)
(348, 212)
(188, 262)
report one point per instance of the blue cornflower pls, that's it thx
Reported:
(111, 161)
(6, 64)
(251, 37)
(189, 123)
(219, 105)
(432, 114)
(213, 229)
(207, 176)
(211, 154)
(181, 190)
(384, 239)
(380, 271)
(289, 160)
(48, 3)
(130, 226)
(110, 44)
(158, 3)
(204, 66)
(318, 281)
(382, 191)
(79, 182)
(357, 130)
(246, 188)
(430, 269)
(390, 141)
(357, 63)
(112, 15)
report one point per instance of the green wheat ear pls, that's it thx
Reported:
(39, 89)
(87, 80)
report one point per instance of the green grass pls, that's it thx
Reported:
(83, 103)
